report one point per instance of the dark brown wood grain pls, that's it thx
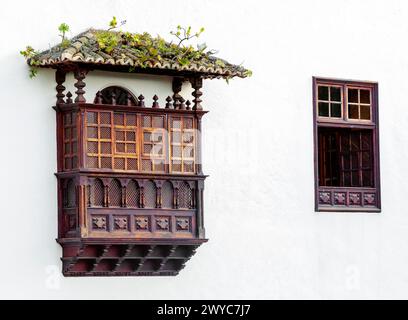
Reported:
(116, 216)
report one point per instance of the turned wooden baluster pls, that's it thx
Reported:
(60, 79)
(168, 102)
(188, 103)
(155, 103)
(69, 97)
(176, 86)
(197, 84)
(141, 101)
(80, 85)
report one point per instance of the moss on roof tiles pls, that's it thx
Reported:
(118, 48)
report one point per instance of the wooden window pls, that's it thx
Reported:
(346, 145)
(126, 146)
(182, 142)
(70, 139)
(99, 139)
(153, 151)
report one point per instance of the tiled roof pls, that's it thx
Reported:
(84, 49)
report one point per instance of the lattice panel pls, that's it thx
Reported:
(185, 196)
(182, 144)
(99, 139)
(70, 141)
(149, 193)
(126, 145)
(115, 194)
(132, 194)
(167, 195)
(97, 193)
(153, 151)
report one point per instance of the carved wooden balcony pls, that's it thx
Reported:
(130, 184)
(130, 180)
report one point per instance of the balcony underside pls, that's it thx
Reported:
(126, 257)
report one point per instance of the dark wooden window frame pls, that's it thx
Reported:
(347, 199)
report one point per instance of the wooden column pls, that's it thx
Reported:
(60, 79)
(197, 84)
(200, 209)
(176, 86)
(79, 75)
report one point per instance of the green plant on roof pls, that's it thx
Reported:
(64, 28)
(142, 47)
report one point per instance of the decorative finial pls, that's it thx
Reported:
(168, 102)
(182, 105)
(98, 99)
(188, 103)
(69, 97)
(155, 103)
(129, 99)
(141, 102)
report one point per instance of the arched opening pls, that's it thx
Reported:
(115, 95)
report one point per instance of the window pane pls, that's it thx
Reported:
(353, 95)
(335, 110)
(335, 94)
(364, 96)
(355, 179)
(130, 148)
(323, 93)
(353, 111)
(367, 180)
(120, 147)
(364, 112)
(323, 109)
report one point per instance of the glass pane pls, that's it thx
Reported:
(130, 119)
(130, 148)
(120, 147)
(347, 179)
(355, 179)
(323, 109)
(130, 136)
(323, 93)
(92, 132)
(335, 110)
(346, 162)
(335, 94)
(147, 148)
(119, 163)
(354, 161)
(105, 133)
(355, 141)
(188, 137)
(147, 136)
(119, 119)
(353, 111)
(67, 148)
(120, 135)
(106, 147)
(176, 151)
(92, 147)
(366, 159)
(367, 180)
(365, 112)
(353, 95)
(176, 137)
(364, 96)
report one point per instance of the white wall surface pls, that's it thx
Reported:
(266, 241)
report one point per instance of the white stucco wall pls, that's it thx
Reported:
(266, 241)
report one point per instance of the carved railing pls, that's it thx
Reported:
(100, 206)
(336, 198)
